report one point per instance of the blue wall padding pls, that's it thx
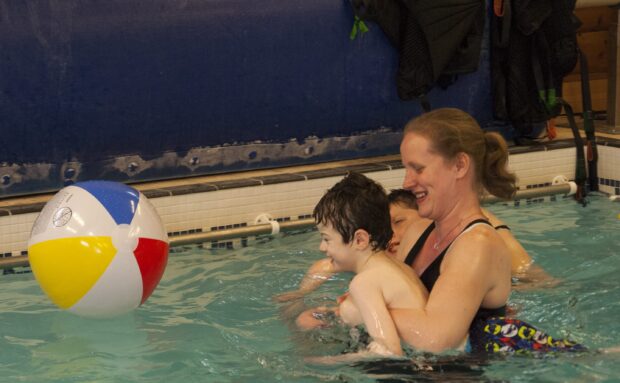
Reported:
(93, 79)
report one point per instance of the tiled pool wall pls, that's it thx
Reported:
(609, 169)
(291, 195)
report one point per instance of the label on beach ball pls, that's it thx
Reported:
(98, 248)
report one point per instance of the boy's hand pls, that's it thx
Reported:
(289, 296)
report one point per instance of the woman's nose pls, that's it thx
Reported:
(410, 179)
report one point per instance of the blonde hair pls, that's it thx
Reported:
(452, 131)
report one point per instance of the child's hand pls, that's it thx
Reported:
(379, 349)
(289, 296)
(350, 358)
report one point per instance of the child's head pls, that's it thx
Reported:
(356, 202)
(402, 197)
(403, 212)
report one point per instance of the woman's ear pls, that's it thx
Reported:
(361, 239)
(462, 164)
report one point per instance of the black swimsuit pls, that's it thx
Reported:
(490, 331)
(431, 274)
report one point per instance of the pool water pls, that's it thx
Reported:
(213, 319)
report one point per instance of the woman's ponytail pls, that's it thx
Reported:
(495, 177)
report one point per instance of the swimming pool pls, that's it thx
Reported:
(212, 317)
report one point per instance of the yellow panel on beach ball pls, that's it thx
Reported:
(67, 268)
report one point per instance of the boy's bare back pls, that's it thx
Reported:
(397, 283)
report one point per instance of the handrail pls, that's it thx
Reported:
(247, 231)
(275, 227)
(568, 188)
(17, 261)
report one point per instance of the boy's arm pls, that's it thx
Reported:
(529, 274)
(377, 320)
(520, 259)
(368, 298)
(317, 274)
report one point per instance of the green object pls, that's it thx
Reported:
(549, 97)
(358, 26)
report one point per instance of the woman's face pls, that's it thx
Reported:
(428, 176)
(401, 216)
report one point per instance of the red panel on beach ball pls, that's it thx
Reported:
(152, 256)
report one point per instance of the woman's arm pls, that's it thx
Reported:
(475, 272)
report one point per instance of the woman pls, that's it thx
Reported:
(461, 259)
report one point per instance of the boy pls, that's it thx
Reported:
(403, 212)
(354, 222)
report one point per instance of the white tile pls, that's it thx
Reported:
(232, 206)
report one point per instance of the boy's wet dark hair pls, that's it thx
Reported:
(403, 197)
(356, 202)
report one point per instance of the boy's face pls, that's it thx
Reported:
(401, 217)
(332, 244)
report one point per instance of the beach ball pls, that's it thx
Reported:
(98, 248)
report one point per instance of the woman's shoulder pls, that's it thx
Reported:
(480, 237)
(478, 245)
